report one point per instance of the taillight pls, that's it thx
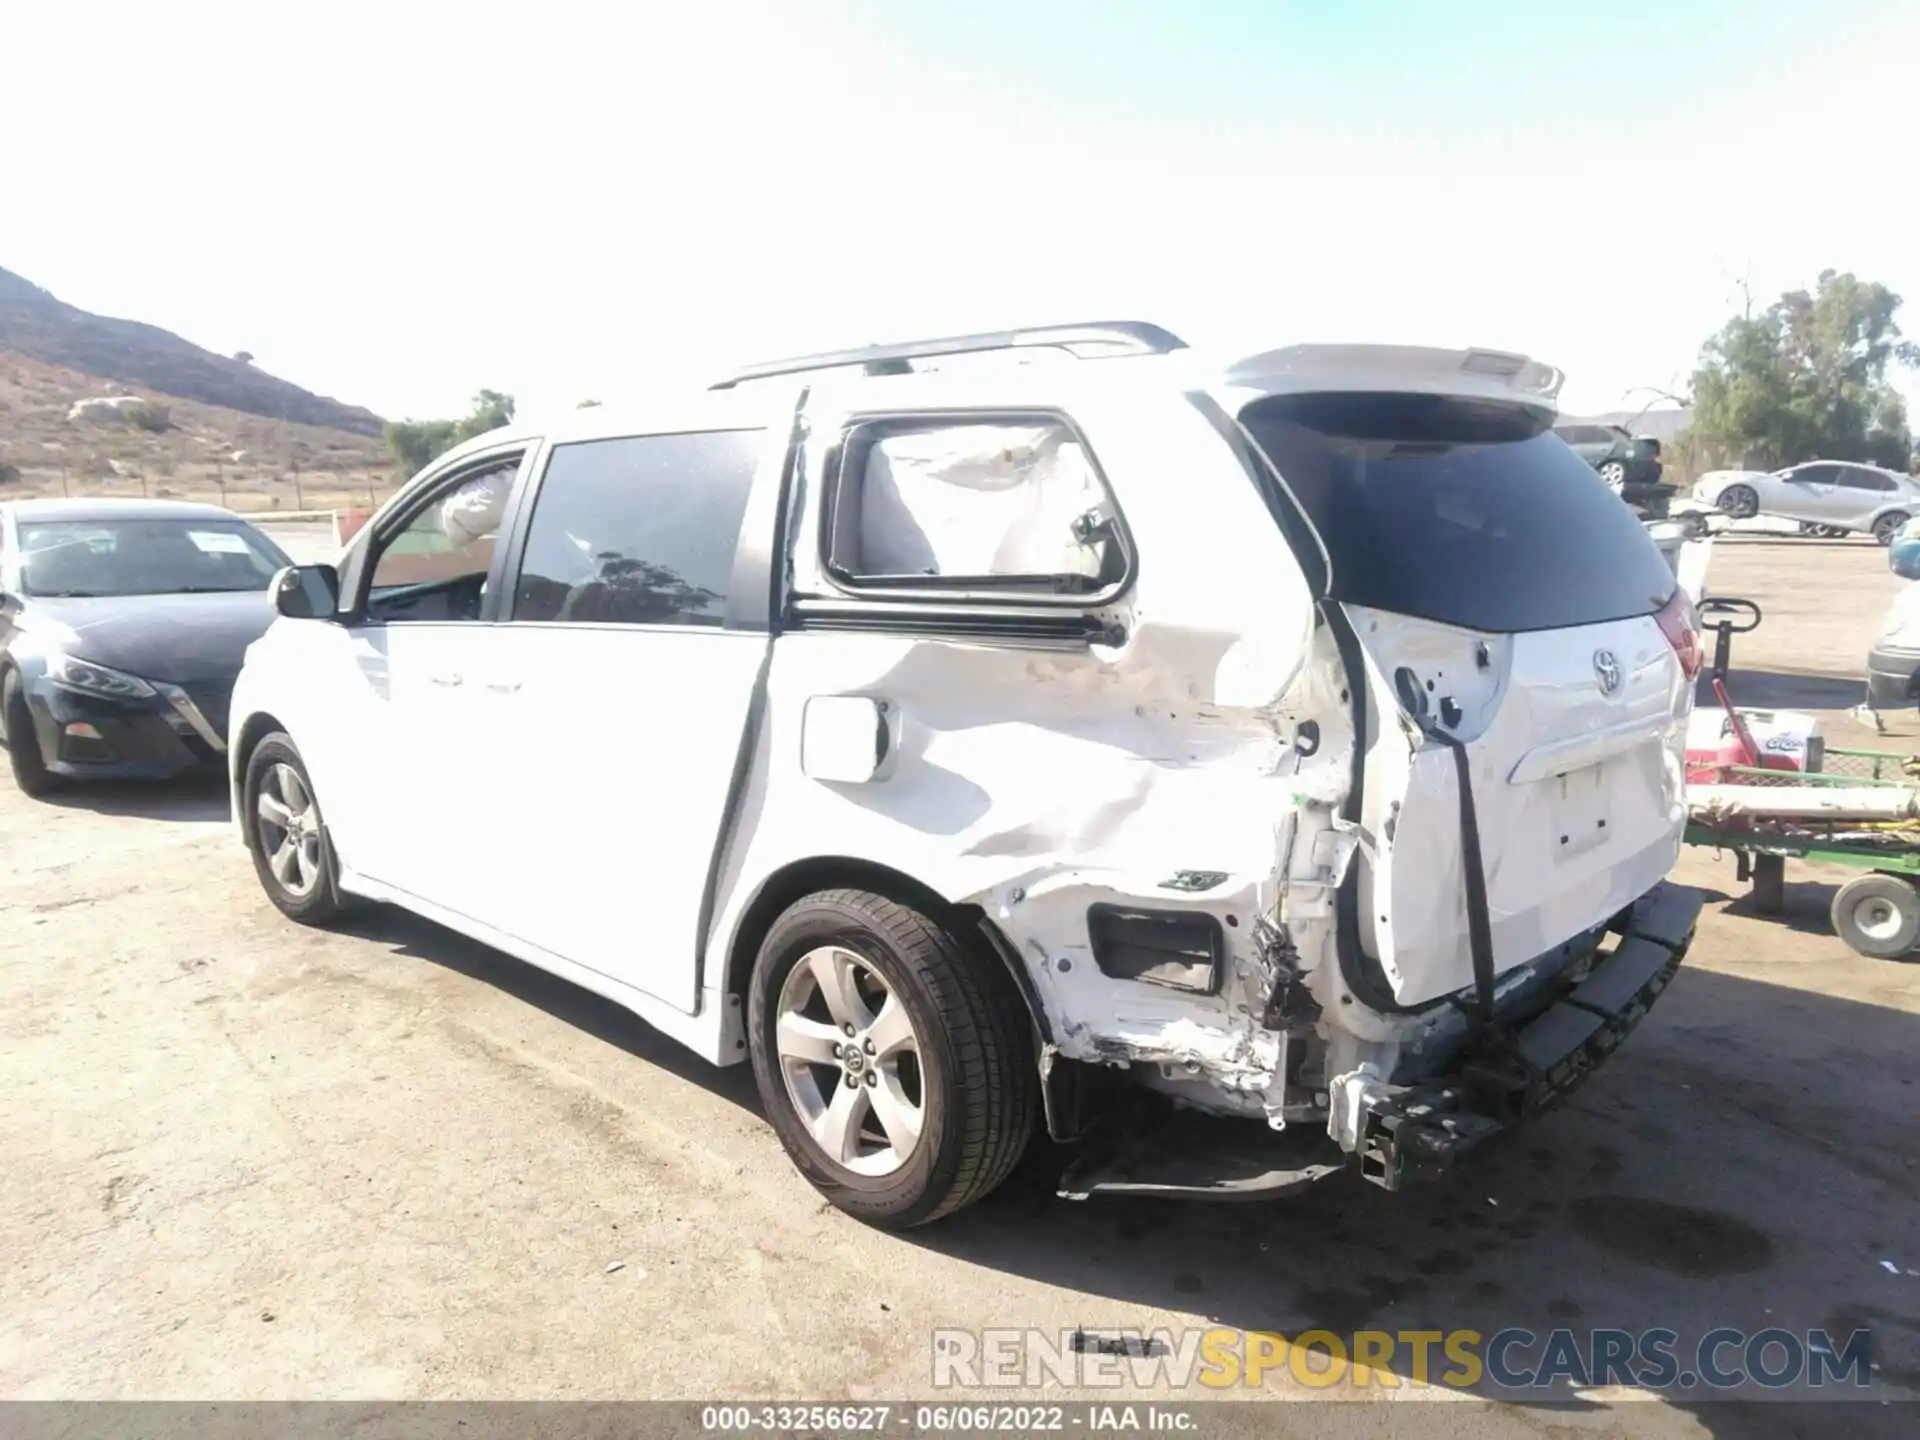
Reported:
(1682, 629)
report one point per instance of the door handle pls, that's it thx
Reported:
(503, 687)
(452, 677)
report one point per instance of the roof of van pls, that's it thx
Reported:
(1034, 377)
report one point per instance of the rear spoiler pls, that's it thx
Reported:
(1412, 369)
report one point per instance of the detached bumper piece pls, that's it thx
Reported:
(1200, 1157)
(1519, 1073)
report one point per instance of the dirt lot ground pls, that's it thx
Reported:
(246, 1160)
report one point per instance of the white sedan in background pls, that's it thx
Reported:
(1827, 496)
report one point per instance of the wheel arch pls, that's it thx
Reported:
(797, 879)
(258, 726)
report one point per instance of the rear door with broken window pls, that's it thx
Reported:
(1023, 648)
(1008, 505)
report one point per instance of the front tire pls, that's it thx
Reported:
(1614, 473)
(286, 835)
(1888, 526)
(895, 1062)
(29, 767)
(1740, 502)
(1877, 916)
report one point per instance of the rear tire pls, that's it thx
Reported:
(1614, 473)
(1888, 526)
(29, 767)
(292, 854)
(1740, 502)
(1877, 916)
(972, 1061)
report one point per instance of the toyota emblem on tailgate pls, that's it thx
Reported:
(1607, 670)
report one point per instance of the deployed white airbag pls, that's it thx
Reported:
(977, 500)
(475, 510)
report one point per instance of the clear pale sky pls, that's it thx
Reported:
(400, 203)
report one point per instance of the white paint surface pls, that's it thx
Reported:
(1030, 779)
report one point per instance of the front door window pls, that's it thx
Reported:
(436, 567)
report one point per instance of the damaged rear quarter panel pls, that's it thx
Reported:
(1036, 782)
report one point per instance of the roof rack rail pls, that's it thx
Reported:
(1133, 337)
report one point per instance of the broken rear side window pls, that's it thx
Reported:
(1010, 504)
(1459, 511)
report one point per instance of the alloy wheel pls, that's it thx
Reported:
(289, 829)
(850, 1058)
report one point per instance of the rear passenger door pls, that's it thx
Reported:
(615, 693)
(1860, 491)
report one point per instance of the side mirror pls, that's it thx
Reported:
(1906, 564)
(307, 592)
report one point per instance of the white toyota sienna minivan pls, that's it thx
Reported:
(1038, 728)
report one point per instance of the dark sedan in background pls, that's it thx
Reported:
(1630, 464)
(122, 628)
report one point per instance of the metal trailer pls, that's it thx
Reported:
(1877, 913)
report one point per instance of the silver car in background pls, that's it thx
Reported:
(1827, 496)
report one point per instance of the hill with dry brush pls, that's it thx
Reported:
(193, 425)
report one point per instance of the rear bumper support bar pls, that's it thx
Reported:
(1512, 1074)
(1539, 1064)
